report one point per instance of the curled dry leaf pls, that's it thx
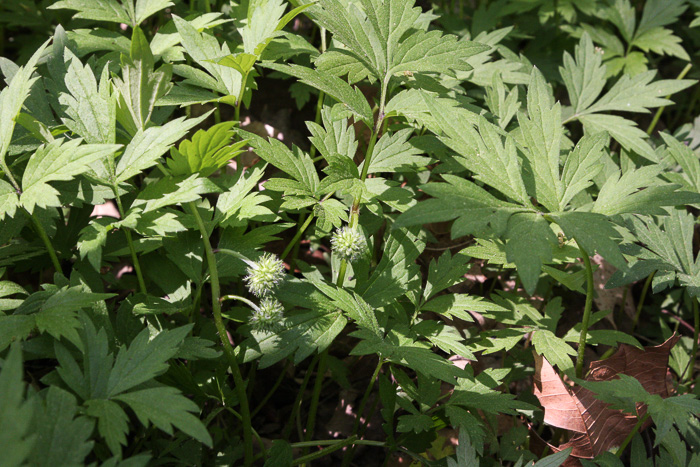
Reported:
(598, 428)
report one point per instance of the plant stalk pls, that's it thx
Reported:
(696, 335)
(324, 452)
(634, 431)
(223, 336)
(47, 243)
(297, 236)
(642, 297)
(586, 313)
(313, 408)
(351, 452)
(657, 116)
(130, 242)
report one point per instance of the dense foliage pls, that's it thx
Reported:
(366, 232)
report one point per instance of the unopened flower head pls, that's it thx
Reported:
(348, 243)
(264, 274)
(268, 316)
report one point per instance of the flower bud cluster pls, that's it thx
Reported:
(348, 243)
(268, 316)
(264, 275)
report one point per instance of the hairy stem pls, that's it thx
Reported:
(586, 313)
(297, 236)
(297, 402)
(223, 335)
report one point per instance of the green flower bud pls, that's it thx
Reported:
(348, 243)
(268, 316)
(264, 274)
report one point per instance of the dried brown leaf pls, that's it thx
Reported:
(597, 427)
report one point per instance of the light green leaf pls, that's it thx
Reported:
(147, 146)
(583, 76)
(542, 132)
(663, 42)
(58, 160)
(658, 13)
(554, 349)
(205, 50)
(582, 165)
(8, 200)
(173, 190)
(12, 98)
(140, 85)
(91, 111)
(99, 10)
(394, 153)
(622, 130)
(335, 87)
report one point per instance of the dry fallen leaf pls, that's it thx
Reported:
(597, 427)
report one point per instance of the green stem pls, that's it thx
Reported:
(350, 452)
(47, 243)
(317, 120)
(297, 402)
(657, 116)
(269, 394)
(647, 283)
(586, 312)
(297, 236)
(223, 336)
(130, 242)
(330, 442)
(634, 431)
(324, 452)
(242, 299)
(313, 408)
(696, 334)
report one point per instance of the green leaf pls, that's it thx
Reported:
(17, 438)
(686, 158)
(61, 437)
(394, 153)
(140, 85)
(147, 146)
(90, 111)
(100, 10)
(166, 407)
(12, 98)
(446, 272)
(661, 41)
(542, 132)
(583, 76)
(303, 334)
(112, 422)
(554, 349)
(622, 130)
(658, 13)
(502, 170)
(397, 268)
(205, 51)
(458, 305)
(335, 137)
(593, 232)
(335, 87)
(9, 201)
(582, 165)
(173, 190)
(58, 160)
(144, 359)
(530, 242)
(640, 191)
(207, 151)
(296, 163)
(112, 11)
(356, 308)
